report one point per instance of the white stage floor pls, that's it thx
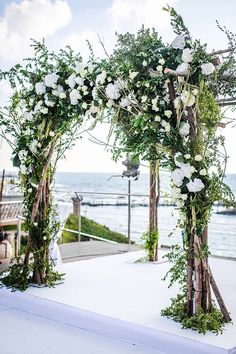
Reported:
(117, 298)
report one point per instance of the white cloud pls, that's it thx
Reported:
(133, 13)
(30, 19)
(78, 42)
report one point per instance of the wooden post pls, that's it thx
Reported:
(153, 207)
(77, 212)
(18, 243)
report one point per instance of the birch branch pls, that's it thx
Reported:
(221, 51)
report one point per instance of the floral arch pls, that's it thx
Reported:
(162, 101)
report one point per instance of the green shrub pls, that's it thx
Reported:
(91, 227)
(201, 322)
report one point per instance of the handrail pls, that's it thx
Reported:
(101, 193)
(90, 236)
(11, 202)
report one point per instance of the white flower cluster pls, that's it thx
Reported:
(186, 170)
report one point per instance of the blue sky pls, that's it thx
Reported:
(64, 22)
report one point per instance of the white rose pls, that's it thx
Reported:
(157, 118)
(186, 168)
(177, 177)
(94, 109)
(100, 79)
(168, 113)
(124, 102)
(40, 88)
(155, 108)
(187, 55)
(198, 158)
(182, 69)
(28, 116)
(33, 146)
(161, 61)
(84, 105)
(79, 80)
(187, 156)
(167, 127)
(109, 103)
(144, 99)
(74, 97)
(62, 95)
(195, 186)
(95, 93)
(207, 68)
(184, 196)
(112, 91)
(121, 84)
(58, 90)
(145, 63)
(178, 42)
(133, 74)
(44, 110)
(71, 81)
(184, 129)
(159, 68)
(51, 80)
(48, 102)
(80, 69)
(203, 172)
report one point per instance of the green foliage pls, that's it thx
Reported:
(91, 227)
(177, 272)
(210, 113)
(201, 322)
(150, 239)
(177, 22)
(19, 275)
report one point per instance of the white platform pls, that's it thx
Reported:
(117, 298)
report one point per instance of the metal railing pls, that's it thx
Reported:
(21, 219)
(89, 235)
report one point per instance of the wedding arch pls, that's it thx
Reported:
(163, 104)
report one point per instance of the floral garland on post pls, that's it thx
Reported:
(53, 96)
(163, 106)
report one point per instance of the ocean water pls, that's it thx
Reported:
(112, 211)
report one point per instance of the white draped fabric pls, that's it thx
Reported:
(64, 209)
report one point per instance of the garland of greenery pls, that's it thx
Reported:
(163, 106)
(52, 97)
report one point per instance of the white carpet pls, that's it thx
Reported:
(120, 299)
